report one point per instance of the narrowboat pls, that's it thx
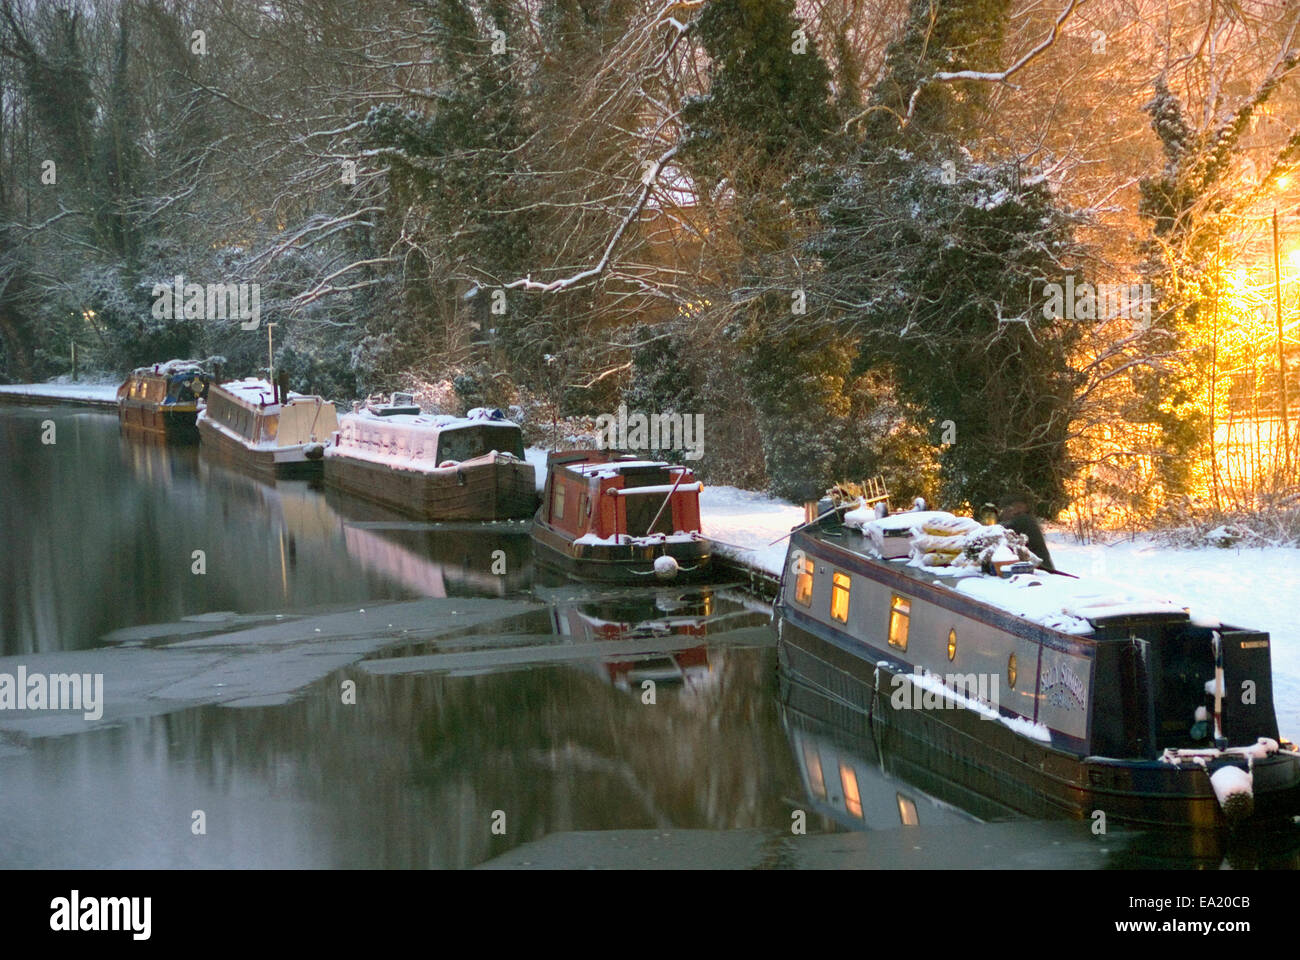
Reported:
(163, 401)
(857, 777)
(266, 429)
(1040, 692)
(613, 517)
(434, 467)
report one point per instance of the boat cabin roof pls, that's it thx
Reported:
(258, 394)
(1068, 604)
(441, 423)
(605, 464)
(172, 368)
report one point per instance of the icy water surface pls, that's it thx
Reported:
(343, 688)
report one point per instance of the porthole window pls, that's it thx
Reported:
(1011, 671)
(952, 644)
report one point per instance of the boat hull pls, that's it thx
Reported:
(267, 464)
(502, 490)
(157, 421)
(623, 563)
(1001, 769)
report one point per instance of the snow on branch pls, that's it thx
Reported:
(984, 76)
(648, 182)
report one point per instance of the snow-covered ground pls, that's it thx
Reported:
(65, 391)
(537, 457)
(1257, 588)
(743, 524)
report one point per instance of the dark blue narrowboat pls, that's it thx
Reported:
(1042, 693)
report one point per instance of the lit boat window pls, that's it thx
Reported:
(813, 761)
(900, 614)
(1011, 671)
(952, 644)
(852, 799)
(907, 811)
(803, 584)
(840, 597)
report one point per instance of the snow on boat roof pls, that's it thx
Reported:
(613, 466)
(428, 421)
(171, 367)
(865, 519)
(257, 392)
(1061, 603)
(1068, 604)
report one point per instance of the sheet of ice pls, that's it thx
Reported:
(65, 391)
(257, 665)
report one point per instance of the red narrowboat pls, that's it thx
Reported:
(611, 516)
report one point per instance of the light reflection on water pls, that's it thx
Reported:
(100, 534)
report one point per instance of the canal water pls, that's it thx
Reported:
(293, 678)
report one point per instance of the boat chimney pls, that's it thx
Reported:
(282, 386)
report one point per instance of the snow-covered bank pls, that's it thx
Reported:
(537, 457)
(87, 392)
(743, 524)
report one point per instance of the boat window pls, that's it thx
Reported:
(840, 597)
(900, 614)
(852, 799)
(952, 644)
(813, 761)
(1011, 671)
(559, 500)
(466, 443)
(803, 583)
(907, 811)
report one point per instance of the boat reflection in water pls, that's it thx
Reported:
(864, 776)
(487, 559)
(673, 625)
